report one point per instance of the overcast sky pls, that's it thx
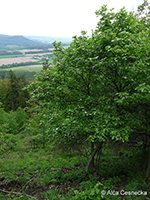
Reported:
(62, 18)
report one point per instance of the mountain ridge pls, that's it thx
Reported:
(9, 42)
(18, 40)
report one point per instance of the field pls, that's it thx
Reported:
(39, 54)
(10, 59)
(23, 59)
(29, 68)
(27, 50)
(6, 61)
(11, 56)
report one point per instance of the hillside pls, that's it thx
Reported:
(18, 40)
(8, 42)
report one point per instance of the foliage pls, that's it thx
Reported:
(4, 85)
(28, 75)
(77, 176)
(94, 193)
(143, 13)
(21, 118)
(10, 125)
(3, 120)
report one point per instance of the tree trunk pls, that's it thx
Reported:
(90, 163)
(147, 180)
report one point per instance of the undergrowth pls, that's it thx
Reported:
(46, 174)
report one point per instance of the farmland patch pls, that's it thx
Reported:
(30, 68)
(6, 61)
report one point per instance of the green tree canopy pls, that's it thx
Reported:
(85, 90)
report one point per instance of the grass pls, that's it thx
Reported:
(47, 174)
(12, 56)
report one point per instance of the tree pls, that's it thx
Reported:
(12, 97)
(15, 97)
(3, 120)
(46, 65)
(83, 90)
(137, 103)
(4, 85)
(23, 94)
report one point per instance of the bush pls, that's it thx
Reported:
(89, 194)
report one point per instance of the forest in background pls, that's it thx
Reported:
(81, 128)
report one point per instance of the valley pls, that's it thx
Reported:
(27, 53)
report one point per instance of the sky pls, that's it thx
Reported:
(59, 18)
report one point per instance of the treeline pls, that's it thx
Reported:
(42, 46)
(47, 46)
(19, 64)
(43, 51)
(10, 53)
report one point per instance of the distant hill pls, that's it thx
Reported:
(18, 40)
(49, 39)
